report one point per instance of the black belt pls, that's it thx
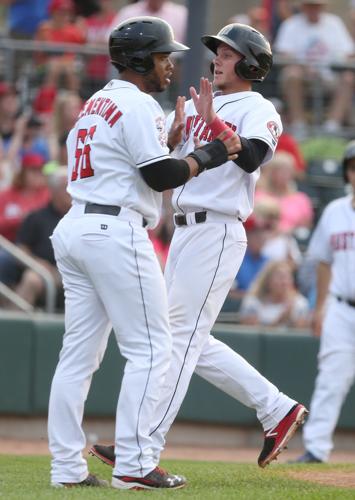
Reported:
(349, 302)
(95, 208)
(181, 220)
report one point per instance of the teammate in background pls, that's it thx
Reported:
(209, 241)
(118, 165)
(333, 246)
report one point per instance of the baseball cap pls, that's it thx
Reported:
(32, 160)
(253, 224)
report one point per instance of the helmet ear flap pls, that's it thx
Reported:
(141, 65)
(212, 68)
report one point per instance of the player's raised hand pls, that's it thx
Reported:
(204, 100)
(177, 127)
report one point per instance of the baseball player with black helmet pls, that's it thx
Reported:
(118, 164)
(209, 241)
(333, 247)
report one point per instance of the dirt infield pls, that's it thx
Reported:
(220, 454)
(338, 478)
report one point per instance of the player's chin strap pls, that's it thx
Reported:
(210, 156)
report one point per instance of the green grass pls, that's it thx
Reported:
(24, 477)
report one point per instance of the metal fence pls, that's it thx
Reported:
(28, 63)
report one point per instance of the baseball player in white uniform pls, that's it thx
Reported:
(118, 163)
(333, 246)
(209, 241)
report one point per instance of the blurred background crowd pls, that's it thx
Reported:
(54, 56)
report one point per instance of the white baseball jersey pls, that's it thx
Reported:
(120, 129)
(333, 241)
(228, 189)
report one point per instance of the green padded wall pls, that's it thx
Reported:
(16, 366)
(29, 352)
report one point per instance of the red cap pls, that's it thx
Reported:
(60, 5)
(32, 160)
(253, 223)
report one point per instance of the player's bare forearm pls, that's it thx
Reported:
(323, 280)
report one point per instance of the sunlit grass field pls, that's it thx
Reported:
(27, 477)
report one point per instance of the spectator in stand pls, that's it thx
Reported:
(24, 16)
(86, 8)
(278, 184)
(98, 66)
(60, 28)
(287, 142)
(313, 40)
(273, 299)
(254, 261)
(67, 106)
(277, 12)
(278, 245)
(257, 17)
(171, 12)
(29, 137)
(34, 237)
(9, 108)
(28, 192)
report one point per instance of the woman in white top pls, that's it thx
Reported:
(273, 299)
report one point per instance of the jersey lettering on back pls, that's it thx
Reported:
(104, 107)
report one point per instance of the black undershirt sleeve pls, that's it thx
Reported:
(166, 174)
(251, 155)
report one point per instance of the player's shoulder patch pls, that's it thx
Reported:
(274, 130)
(162, 134)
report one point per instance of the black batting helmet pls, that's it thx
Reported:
(349, 154)
(249, 42)
(132, 43)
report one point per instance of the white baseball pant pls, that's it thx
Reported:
(336, 374)
(111, 275)
(202, 264)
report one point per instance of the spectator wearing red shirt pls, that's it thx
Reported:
(28, 192)
(60, 28)
(288, 144)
